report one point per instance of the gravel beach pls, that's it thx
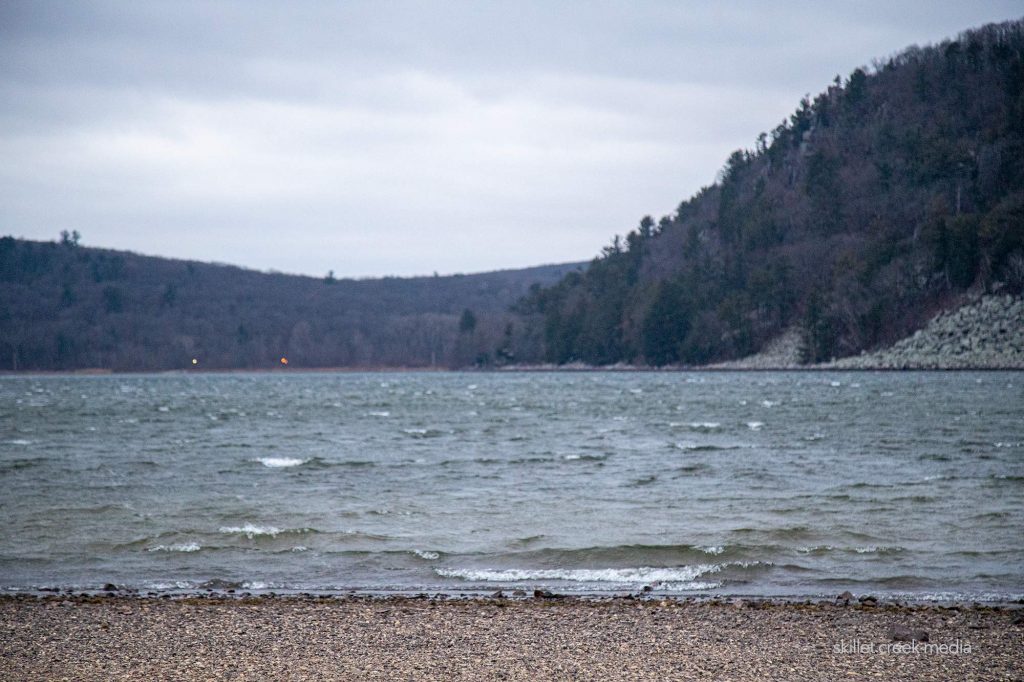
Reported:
(108, 638)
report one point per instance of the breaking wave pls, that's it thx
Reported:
(177, 547)
(252, 531)
(643, 575)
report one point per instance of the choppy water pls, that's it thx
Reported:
(740, 483)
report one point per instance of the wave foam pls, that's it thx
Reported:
(716, 549)
(869, 549)
(690, 586)
(696, 426)
(177, 547)
(874, 549)
(250, 531)
(280, 462)
(621, 576)
(423, 433)
(814, 549)
(423, 554)
(689, 445)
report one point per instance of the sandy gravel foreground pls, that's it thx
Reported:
(110, 638)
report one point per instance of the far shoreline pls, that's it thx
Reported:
(520, 369)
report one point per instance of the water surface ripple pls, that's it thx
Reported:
(906, 484)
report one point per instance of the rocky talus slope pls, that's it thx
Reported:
(987, 333)
(783, 352)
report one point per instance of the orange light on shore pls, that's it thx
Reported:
(284, 361)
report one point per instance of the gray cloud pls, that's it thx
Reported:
(400, 138)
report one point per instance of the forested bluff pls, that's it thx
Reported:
(878, 203)
(894, 195)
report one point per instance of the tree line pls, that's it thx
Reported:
(65, 306)
(876, 203)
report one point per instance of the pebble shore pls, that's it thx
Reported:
(397, 638)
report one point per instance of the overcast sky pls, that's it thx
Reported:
(375, 138)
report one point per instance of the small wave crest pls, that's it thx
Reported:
(703, 447)
(177, 547)
(875, 549)
(574, 457)
(280, 462)
(867, 549)
(251, 530)
(643, 575)
(696, 426)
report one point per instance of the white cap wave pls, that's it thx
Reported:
(681, 577)
(279, 462)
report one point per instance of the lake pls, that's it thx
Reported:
(909, 485)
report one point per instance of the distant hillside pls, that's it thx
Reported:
(877, 203)
(65, 306)
(882, 201)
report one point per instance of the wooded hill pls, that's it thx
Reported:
(874, 205)
(66, 306)
(877, 203)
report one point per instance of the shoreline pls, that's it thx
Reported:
(539, 638)
(864, 603)
(523, 369)
(1007, 602)
(981, 333)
